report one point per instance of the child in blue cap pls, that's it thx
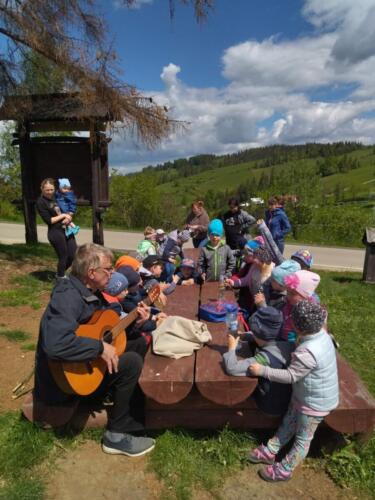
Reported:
(67, 203)
(216, 260)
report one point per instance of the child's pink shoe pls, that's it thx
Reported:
(275, 472)
(261, 455)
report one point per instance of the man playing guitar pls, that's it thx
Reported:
(73, 302)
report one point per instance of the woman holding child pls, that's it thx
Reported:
(64, 246)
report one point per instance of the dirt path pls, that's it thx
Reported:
(17, 362)
(87, 473)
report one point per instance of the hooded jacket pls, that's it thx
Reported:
(145, 248)
(216, 261)
(271, 397)
(172, 249)
(235, 224)
(278, 223)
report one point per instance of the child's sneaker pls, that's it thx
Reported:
(274, 473)
(68, 231)
(261, 455)
(75, 229)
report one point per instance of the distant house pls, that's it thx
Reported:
(253, 201)
(257, 201)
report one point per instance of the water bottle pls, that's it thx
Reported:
(221, 291)
(231, 319)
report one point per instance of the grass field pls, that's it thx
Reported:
(186, 460)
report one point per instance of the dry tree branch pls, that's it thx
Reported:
(50, 28)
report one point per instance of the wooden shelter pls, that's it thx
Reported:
(83, 159)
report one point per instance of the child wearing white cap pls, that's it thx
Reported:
(67, 202)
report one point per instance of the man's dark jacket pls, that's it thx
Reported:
(71, 305)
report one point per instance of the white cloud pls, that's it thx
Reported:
(292, 65)
(353, 22)
(169, 74)
(272, 87)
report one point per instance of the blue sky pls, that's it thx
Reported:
(256, 73)
(147, 40)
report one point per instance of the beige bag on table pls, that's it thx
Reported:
(177, 337)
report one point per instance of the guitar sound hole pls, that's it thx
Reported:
(107, 337)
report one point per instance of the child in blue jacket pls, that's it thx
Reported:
(277, 222)
(67, 202)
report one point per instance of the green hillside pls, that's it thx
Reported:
(355, 183)
(334, 185)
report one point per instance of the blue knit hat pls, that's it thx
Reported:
(64, 183)
(215, 227)
(287, 267)
(251, 246)
(117, 284)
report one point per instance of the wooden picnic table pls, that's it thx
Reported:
(168, 381)
(210, 377)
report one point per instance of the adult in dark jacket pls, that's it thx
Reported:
(277, 222)
(50, 212)
(235, 222)
(197, 223)
(73, 302)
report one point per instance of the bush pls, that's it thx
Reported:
(335, 225)
(9, 211)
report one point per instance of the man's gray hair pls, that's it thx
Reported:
(88, 256)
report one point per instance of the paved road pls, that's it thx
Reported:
(324, 257)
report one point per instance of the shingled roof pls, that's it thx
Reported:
(52, 107)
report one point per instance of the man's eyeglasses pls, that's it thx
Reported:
(108, 270)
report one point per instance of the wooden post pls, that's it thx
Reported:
(97, 222)
(31, 234)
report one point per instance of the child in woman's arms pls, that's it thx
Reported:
(67, 202)
(313, 373)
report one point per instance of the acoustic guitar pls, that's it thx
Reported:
(84, 377)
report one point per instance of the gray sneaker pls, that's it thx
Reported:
(129, 445)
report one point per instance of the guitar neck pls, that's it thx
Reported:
(129, 318)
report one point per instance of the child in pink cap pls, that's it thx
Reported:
(300, 285)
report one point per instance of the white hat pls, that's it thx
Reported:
(160, 231)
